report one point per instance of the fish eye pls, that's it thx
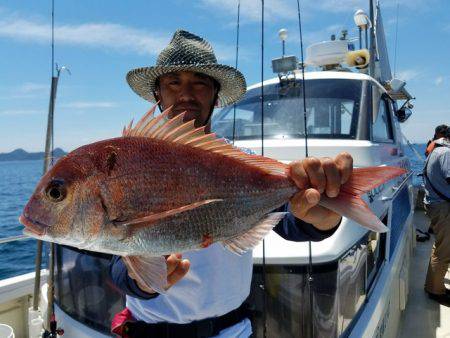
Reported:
(56, 191)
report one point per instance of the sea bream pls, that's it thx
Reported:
(166, 186)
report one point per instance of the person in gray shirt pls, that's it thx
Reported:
(437, 207)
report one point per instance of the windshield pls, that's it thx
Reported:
(332, 107)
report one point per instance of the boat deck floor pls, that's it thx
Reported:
(423, 317)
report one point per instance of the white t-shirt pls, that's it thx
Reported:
(218, 282)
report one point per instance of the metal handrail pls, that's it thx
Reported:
(14, 238)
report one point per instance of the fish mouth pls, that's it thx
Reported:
(35, 227)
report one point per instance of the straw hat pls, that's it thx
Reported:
(188, 52)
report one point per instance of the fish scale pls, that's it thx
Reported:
(220, 221)
(167, 187)
(190, 180)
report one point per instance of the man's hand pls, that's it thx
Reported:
(177, 268)
(316, 176)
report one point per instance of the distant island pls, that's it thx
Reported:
(22, 155)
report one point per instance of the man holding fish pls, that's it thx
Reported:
(168, 186)
(186, 80)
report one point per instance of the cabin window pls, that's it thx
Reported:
(352, 284)
(401, 208)
(338, 293)
(376, 254)
(287, 301)
(332, 107)
(382, 127)
(83, 288)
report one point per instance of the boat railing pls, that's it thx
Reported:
(10, 239)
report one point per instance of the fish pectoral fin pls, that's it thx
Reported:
(153, 218)
(248, 240)
(148, 270)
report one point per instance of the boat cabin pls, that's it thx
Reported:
(345, 266)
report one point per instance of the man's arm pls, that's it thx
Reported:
(444, 161)
(294, 229)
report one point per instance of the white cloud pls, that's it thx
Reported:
(412, 4)
(27, 90)
(310, 37)
(32, 88)
(88, 105)
(438, 81)
(251, 10)
(408, 74)
(97, 35)
(14, 112)
(350, 5)
(109, 36)
(338, 5)
(227, 53)
(275, 10)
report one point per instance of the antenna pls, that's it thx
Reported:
(282, 33)
(395, 44)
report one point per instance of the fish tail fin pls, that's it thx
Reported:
(349, 202)
(363, 180)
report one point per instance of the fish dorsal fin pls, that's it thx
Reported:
(175, 130)
(128, 131)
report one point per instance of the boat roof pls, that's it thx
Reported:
(316, 75)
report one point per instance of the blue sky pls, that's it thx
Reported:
(100, 41)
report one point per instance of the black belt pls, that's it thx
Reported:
(199, 329)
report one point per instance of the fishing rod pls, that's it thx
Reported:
(47, 159)
(305, 121)
(51, 326)
(418, 155)
(262, 154)
(236, 66)
(396, 42)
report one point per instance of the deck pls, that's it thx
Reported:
(423, 317)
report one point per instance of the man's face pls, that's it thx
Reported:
(191, 92)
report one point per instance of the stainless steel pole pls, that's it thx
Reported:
(372, 41)
(47, 159)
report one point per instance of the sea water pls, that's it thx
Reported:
(17, 182)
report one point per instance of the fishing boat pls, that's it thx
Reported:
(355, 283)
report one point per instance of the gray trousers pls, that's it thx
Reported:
(439, 215)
